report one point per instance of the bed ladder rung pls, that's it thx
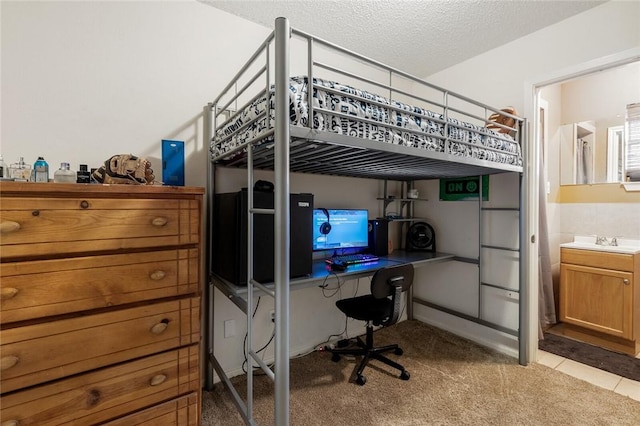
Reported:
(262, 364)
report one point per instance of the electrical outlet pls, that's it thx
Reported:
(229, 328)
(272, 315)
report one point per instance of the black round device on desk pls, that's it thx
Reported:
(421, 237)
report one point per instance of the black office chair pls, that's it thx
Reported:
(381, 307)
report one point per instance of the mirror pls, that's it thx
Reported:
(591, 137)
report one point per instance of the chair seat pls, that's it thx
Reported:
(381, 307)
(366, 308)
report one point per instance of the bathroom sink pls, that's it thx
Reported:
(624, 245)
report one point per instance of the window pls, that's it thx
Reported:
(615, 154)
(632, 163)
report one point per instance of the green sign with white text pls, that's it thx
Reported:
(462, 189)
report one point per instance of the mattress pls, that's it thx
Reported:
(345, 110)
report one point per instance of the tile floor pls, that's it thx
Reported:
(601, 378)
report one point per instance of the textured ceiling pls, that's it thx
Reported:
(418, 36)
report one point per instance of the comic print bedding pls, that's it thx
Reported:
(368, 116)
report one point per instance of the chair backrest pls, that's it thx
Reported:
(392, 281)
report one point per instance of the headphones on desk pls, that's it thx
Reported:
(325, 228)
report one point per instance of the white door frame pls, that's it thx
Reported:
(532, 175)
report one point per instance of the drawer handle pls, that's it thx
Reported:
(158, 379)
(8, 361)
(159, 221)
(157, 275)
(10, 423)
(9, 226)
(8, 293)
(626, 281)
(160, 327)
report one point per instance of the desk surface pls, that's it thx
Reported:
(322, 272)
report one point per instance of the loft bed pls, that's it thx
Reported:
(378, 123)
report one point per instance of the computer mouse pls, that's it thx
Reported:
(338, 265)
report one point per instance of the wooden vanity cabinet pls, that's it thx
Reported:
(100, 306)
(599, 297)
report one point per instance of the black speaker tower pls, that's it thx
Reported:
(379, 237)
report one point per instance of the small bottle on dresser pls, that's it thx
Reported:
(20, 171)
(41, 170)
(64, 174)
(84, 176)
(4, 170)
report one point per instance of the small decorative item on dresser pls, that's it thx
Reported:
(20, 170)
(125, 168)
(41, 170)
(84, 176)
(64, 174)
(4, 171)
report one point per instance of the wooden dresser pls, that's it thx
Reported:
(100, 304)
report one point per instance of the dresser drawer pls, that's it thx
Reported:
(37, 226)
(42, 288)
(183, 411)
(38, 353)
(115, 391)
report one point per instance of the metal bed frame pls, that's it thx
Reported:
(303, 149)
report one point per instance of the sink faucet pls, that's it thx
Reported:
(604, 241)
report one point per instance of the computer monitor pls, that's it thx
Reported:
(340, 229)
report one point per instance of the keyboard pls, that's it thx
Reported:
(351, 259)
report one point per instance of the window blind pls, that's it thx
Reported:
(632, 163)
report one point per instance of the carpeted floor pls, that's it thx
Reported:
(584, 353)
(453, 382)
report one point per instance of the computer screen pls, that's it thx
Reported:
(340, 229)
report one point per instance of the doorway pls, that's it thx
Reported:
(551, 117)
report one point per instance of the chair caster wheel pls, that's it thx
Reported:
(398, 351)
(335, 357)
(405, 375)
(361, 380)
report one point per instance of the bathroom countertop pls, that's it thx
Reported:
(588, 242)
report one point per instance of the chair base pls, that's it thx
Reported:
(368, 352)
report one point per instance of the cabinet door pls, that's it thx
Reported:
(598, 299)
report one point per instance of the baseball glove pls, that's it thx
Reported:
(125, 168)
